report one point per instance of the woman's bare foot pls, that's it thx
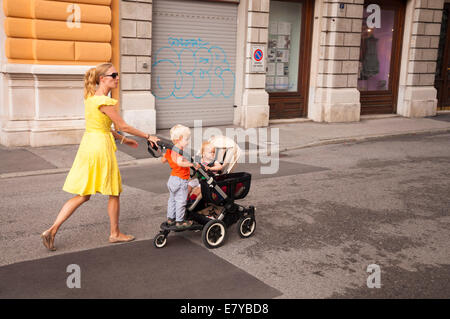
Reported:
(48, 240)
(122, 238)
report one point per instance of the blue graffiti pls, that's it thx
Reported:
(192, 68)
(186, 43)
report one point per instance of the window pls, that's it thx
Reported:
(376, 48)
(283, 46)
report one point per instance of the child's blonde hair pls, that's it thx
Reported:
(179, 131)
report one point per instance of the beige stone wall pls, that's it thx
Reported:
(340, 40)
(337, 32)
(137, 101)
(42, 105)
(31, 96)
(417, 96)
(254, 103)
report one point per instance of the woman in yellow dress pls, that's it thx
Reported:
(95, 168)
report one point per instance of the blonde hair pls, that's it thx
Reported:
(92, 78)
(178, 131)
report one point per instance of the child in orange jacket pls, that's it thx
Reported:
(178, 180)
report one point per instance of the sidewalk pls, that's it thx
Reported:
(27, 161)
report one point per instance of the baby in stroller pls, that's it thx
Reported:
(219, 156)
(210, 163)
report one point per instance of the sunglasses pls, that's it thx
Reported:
(113, 75)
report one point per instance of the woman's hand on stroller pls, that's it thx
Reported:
(152, 140)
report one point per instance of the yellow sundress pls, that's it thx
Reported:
(95, 166)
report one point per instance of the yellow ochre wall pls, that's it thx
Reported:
(38, 32)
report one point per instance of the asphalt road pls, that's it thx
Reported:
(322, 219)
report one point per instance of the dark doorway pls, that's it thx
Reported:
(441, 81)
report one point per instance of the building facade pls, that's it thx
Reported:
(225, 62)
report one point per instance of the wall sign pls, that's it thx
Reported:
(258, 58)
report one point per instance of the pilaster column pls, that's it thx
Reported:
(254, 108)
(137, 101)
(421, 42)
(336, 97)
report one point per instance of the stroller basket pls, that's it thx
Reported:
(235, 185)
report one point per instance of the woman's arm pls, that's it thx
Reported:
(124, 140)
(121, 125)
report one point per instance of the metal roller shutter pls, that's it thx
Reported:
(193, 62)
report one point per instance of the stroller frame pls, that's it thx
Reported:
(214, 230)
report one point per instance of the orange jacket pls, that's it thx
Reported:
(181, 172)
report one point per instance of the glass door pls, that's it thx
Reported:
(379, 63)
(288, 56)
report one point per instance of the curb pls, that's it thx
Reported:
(67, 169)
(147, 161)
(363, 138)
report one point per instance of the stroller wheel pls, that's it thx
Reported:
(246, 226)
(160, 240)
(213, 234)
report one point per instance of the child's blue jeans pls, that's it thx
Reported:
(178, 190)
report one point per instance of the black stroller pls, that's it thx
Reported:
(215, 210)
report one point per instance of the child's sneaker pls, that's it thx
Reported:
(184, 224)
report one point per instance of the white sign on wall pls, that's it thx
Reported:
(258, 59)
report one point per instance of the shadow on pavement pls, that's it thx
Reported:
(134, 270)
